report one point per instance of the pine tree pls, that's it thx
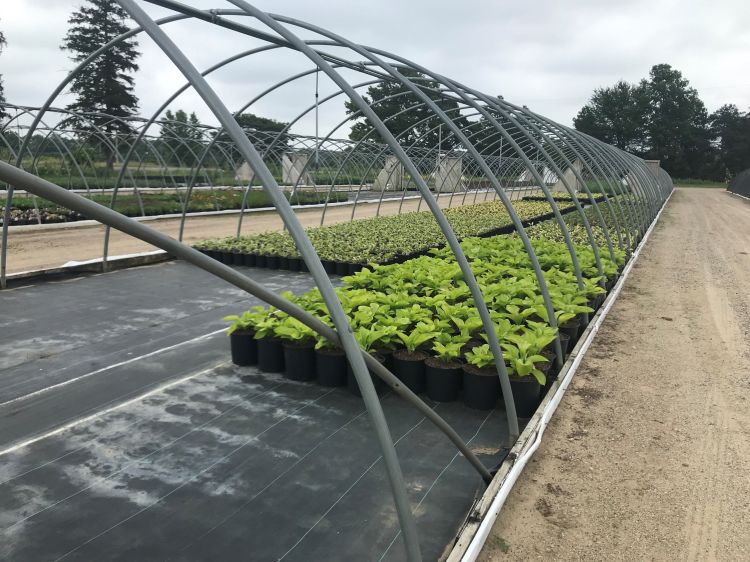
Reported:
(105, 85)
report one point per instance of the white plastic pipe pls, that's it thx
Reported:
(477, 542)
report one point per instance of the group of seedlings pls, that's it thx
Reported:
(417, 316)
(345, 247)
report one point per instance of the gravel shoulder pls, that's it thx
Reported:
(648, 456)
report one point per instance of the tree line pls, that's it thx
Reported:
(105, 98)
(663, 118)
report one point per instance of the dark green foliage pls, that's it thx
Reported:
(257, 128)
(731, 130)
(616, 115)
(182, 137)
(677, 124)
(274, 147)
(405, 115)
(662, 118)
(105, 85)
(255, 122)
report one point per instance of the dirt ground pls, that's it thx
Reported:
(648, 456)
(32, 249)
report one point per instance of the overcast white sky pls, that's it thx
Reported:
(547, 54)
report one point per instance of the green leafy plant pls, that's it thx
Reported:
(265, 327)
(247, 321)
(447, 352)
(372, 338)
(521, 358)
(291, 329)
(243, 322)
(418, 336)
(481, 356)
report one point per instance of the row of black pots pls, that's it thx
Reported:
(441, 382)
(256, 260)
(582, 199)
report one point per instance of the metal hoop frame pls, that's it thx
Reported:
(515, 143)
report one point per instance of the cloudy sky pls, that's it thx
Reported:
(547, 54)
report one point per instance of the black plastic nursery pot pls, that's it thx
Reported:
(409, 368)
(571, 329)
(353, 268)
(270, 355)
(564, 345)
(329, 266)
(299, 361)
(442, 380)
(248, 260)
(481, 387)
(330, 367)
(237, 258)
(351, 381)
(549, 353)
(342, 268)
(295, 264)
(526, 395)
(272, 262)
(385, 357)
(227, 258)
(550, 371)
(260, 261)
(244, 348)
(283, 262)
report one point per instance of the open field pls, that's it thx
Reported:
(700, 183)
(647, 456)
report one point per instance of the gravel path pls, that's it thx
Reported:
(648, 456)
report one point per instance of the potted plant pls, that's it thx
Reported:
(467, 329)
(270, 350)
(242, 338)
(408, 363)
(297, 340)
(272, 262)
(295, 263)
(368, 338)
(342, 268)
(237, 257)
(526, 377)
(443, 371)
(330, 363)
(481, 383)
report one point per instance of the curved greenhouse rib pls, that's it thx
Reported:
(421, 131)
(349, 344)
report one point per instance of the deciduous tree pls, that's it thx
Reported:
(405, 114)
